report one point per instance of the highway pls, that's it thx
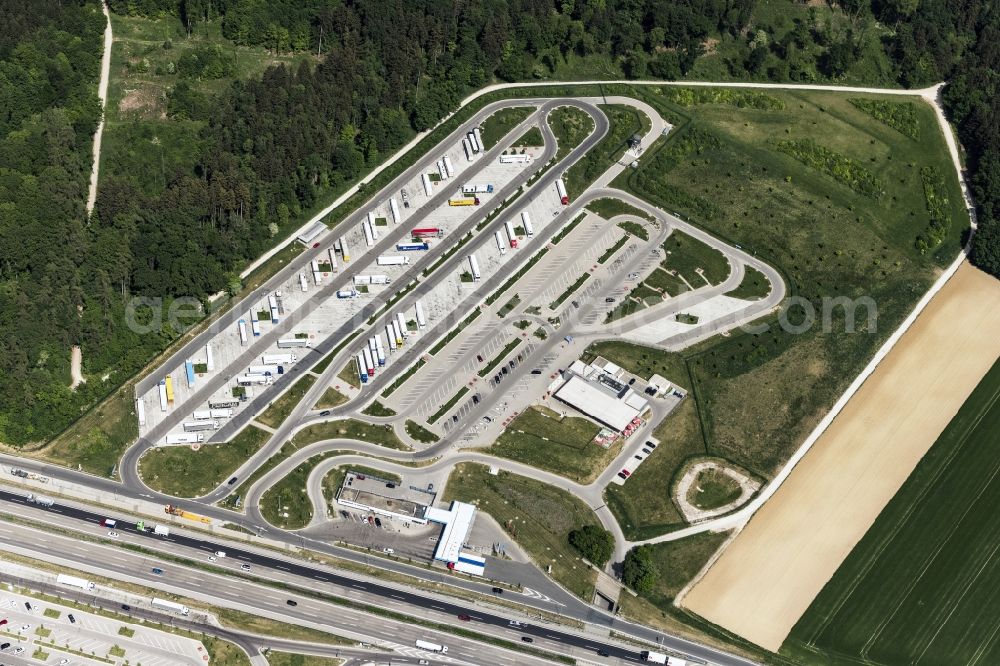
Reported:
(122, 564)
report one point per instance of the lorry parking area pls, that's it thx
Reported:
(53, 638)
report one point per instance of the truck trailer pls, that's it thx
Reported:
(561, 190)
(189, 373)
(161, 388)
(209, 358)
(303, 283)
(397, 333)
(392, 260)
(369, 236)
(200, 426)
(442, 172)
(474, 266)
(170, 388)
(390, 335)
(278, 359)
(266, 370)
(515, 159)
(428, 188)
(290, 343)
(171, 606)
(478, 188)
(140, 411)
(224, 413)
(161, 530)
(427, 232)
(653, 657)
(421, 321)
(317, 274)
(501, 245)
(185, 438)
(471, 136)
(74, 581)
(464, 201)
(401, 320)
(223, 404)
(529, 230)
(254, 380)
(511, 236)
(369, 361)
(346, 293)
(467, 147)
(255, 324)
(345, 252)
(379, 350)
(394, 210)
(362, 368)
(242, 326)
(272, 303)
(479, 139)
(411, 247)
(430, 647)
(448, 166)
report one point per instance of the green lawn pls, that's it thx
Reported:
(921, 585)
(289, 496)
(537, 516)
(331, 398)
(279, 410)
(561, 445)
(671, 285)
(378, 409)
(420, 433)
(349, 374)
(713, 489)
(687, 255)
(753, 287)
(383, 435)
(677, 562)
(609, 208)
(291, 659)
(570, 126)
(497, 126)
(531, 138)
(644, 506)
(181, 472)
(624, 122)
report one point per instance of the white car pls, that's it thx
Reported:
(245, 567)
(220, 553)
(388, 551)
(25, 627)
(113, 534)
(18, 650)
(63, 661)
(212, 558)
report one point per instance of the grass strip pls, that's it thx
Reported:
(554, 305)
(455, 331)
(448, 405)
(497, 360)
(403, 377)
(611, 250)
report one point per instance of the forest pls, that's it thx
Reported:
(273, 146)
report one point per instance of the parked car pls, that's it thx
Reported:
(479, 357)
(388, 551)
(464, 618)
(72, 620)
(609, 300)
(536, 371)
(245, 567)
(112, 534)
(325, 412)
(626, 473)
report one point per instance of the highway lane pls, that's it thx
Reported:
(415, 600)
(235, 587)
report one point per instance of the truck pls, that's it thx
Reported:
(278, 359)
(426, 180)
(171, 606)
(140, 411)
(379, 350)
(272, 303)
(255, 324)
(265, 370)
(170, 388)
(467, 147)
(223, 404)
(209, 358)
(345, 251)
(412, 247)
(32, 498)
(254, 380)
(189, 373)
(242, 326)
(477, 188)
(390, 335)
(289, 343)
(392, 260)
(362, 369)
(474, 266)
(200, 426)
(421, 321)
(224, 413)
(201, 414)
(369, 361)
(397, 333)
(346, 293)
(511, 236)
(515, 159)
(430, 647)
(369, 235)
(561, 191)
(74, 581)
(442, 172)
(303, 283)
(317, 273)
(427, 232)
(394, 211)
(501, 245)
(653, 657)
(529, 230)
(469, 563)
(464, 201)
(185, 438)
(479, 139)
(448, 166)
(379, 279)
(161, 530)
(471, 136)
(330, 252)
(401, 320)
(161, 388)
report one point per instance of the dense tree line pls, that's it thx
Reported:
(274, 145)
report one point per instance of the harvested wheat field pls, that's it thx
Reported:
(792, 546)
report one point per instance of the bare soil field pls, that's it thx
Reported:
(771, 572)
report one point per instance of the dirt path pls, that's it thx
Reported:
(799, 538)
(102, 93)
(75, 366)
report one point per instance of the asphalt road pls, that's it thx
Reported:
(202, 582)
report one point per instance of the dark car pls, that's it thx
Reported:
(602, 653)
(378, 522)
(479, 357)
(511, 365)
(497, 590)
(464, 618)
(504, 370)
(27, 605)
(651, 445)
(527, 639)
(4, 646)
(231, 481)
(475, 399)
(325, 412)
(72, 620)
(3, 622)
(292, 602)
(157, 571)
(609, 300)
(390, 485)
(536, 371)
(126, 607)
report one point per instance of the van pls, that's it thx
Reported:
(220, 553)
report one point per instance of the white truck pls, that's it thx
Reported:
(39, 500)
(185, 438)
(653, 657)
(278, 359)
(171, 606)
(161, 530)
(431, 647)
(392, 260)
(74, 581)
(200, 426)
